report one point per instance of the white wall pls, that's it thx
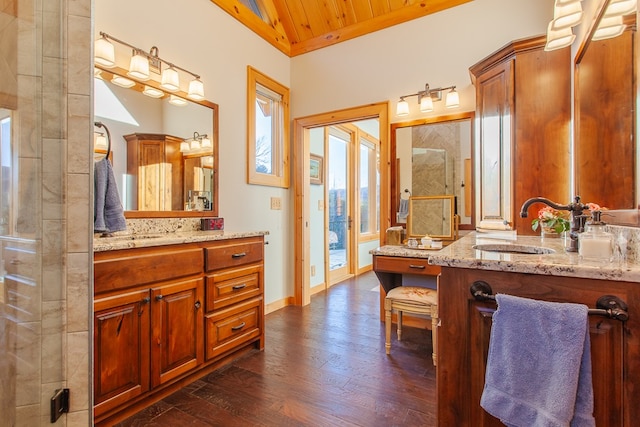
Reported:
(436, 49)
(200, 37)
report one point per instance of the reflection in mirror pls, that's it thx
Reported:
(151, 142)
(605, 152)
(432, 216)
(433, 158)
(5, 178)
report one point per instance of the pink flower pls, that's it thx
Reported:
(594, 207)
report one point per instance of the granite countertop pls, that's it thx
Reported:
(560, 263)
(142, 240)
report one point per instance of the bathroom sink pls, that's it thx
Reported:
(513, 249)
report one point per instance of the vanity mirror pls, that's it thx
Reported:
(605, 96)
(432, 216)
(433, 157)
(164, 150)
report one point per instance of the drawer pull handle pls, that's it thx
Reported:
(238, 287)
(421, 267)
(240, 255)
(198, 305)
(237, 328)
(15, 262)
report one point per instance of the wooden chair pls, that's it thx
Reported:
(411, 299)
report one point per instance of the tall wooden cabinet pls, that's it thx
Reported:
(155, 165)
(523, 117)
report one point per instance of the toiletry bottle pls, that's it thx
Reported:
(595, 243)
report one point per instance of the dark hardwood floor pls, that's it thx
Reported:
(323, 365)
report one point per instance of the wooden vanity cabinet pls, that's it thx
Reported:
(156, 308)
(151, 331)
(235, 287)
(465, 326)
(523, 117)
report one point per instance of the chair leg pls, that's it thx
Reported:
(399, 325)
(387, 327)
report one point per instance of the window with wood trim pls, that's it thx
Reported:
(267, 131)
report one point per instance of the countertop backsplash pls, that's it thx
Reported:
(632, 237)
(141, 226)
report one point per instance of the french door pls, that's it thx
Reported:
(340, 204)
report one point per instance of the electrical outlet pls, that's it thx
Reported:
(313, 270)
(320, 205)
(276, 203)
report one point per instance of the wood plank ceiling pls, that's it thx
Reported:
(299, 26)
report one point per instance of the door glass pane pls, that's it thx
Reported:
(365, 187)
(338, 203)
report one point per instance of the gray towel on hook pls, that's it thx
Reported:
(403, 210)
(108, 215)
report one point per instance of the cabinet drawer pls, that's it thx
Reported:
(22, 299)
(405, 265)
(20, 259)
(232, 286)
(230, 328)
(134, 267)
(233, 253)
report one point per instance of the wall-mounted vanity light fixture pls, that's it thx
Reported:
(566, 15)
(142, 64)
(426, 98)
(196, 143)
(611, 25)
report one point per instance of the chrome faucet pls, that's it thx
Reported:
(577, 218)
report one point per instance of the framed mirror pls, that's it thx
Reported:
(605, 97)
(433, 157)
(162, 163)
(431, 215)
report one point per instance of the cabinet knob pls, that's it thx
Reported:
(159, 297)
(198, 305)
(237, 328)
(145, 300)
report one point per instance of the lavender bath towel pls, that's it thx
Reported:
(539, 364)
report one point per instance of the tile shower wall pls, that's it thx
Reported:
(45, 307)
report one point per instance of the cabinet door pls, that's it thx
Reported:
(121, 349)
(494, 92)
(177, 329)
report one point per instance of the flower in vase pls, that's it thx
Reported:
(553, 219)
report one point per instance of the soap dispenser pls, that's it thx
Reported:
(595, 243)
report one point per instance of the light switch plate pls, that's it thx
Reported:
(276, 203)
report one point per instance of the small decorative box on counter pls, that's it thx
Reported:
(211, 224)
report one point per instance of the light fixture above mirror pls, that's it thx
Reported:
(142, 64)
(426, 98)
